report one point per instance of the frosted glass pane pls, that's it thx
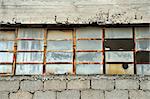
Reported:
(7, 35)
(31, 33)
(30, 45)
(5, 68)
(89, 69)
(6, 57)
(59, 45)
(89, 32)
(29, 69)
(143, 69)
(142, 45)
(119, 69)
(118, 33)
(89, 57)
(59, 34)
(89, 45)
(30, 57)
(6, 45)
(59, 57)
(59, 68)
(119, 56)
(142, 32)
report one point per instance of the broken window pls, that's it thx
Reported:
(59, 55)
(89, 51)
(7, 40)
(30, 51)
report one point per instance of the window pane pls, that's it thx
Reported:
(142, 44)
(31, 33)
(6, 57)
(5, 68)
(59, 45)
(143, 69)
(89, 57)
(59, 69)
(59, 34)
(29, 69)
(89, 69)
(89, 45)
(59, 57)
(7, 35)
(30, 45)
(89, 32)
(6, 45)
(121, 56)
(30, 57)
(119, 44)
(142, 32)
(119, 68)
(142, 56)
(118, 33)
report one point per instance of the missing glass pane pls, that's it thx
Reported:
(123, 68)
(143, 57)
(89, 45)
(59, 57)
(59, 69)
(89, 57)
(89, 69)
(119, 56)
(119, 44)
(29, 69)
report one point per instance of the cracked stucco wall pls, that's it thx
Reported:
(74, 11)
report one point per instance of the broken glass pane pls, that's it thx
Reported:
(31, 33)
(59, 45)
(119, 56)
(89, 32)
(143, 69)
(89, 69)
(30, 45)
(6, 45)
(118, 33)
(142, 56)
(120, 68)
(29, 69)
(5, 68)
(30, 57)
(142, 32)
(6, 57)
(59, 57)
(89, 57)
(59, 69)
(89, 45)
(7, 35)
(142, 45)
(59, 35)
(119, 44)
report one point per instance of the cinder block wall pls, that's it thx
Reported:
(75, 87)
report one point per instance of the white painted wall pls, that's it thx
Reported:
(75, 11)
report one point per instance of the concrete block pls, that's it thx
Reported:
(55, 85)
(116, 94)
(92, 94)
(103, 84)
(139, 94)
(79, 84)
(44, 95)
(21, 95)
(145, 85)
(3, 95)
(68, 94)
